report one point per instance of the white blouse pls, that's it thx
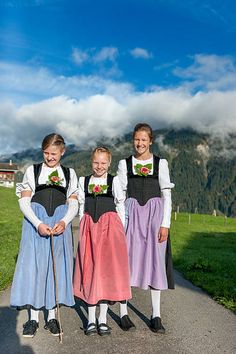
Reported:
(117, 192)
(28, 183)
(164, 182)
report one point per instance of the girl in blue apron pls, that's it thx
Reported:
(48, 200)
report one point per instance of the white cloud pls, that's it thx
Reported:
(25, 84)
(84, 121)
(106, 54)
(209, 72)
(80, 122)
(79, 56)
(34, 102)
(141, 53)
(103, 61)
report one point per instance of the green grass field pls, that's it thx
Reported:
(204, 250)
(10, 231)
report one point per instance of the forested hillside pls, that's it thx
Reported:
(202, 168)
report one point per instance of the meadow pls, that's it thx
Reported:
(10, 231)
(204, 251)
(203, 247)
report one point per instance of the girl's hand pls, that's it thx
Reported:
(163, 234)
(44, 230)
(59, 228)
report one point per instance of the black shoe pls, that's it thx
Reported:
(126, 324)
(104, 329)
(30, 328)
(156, 325)
(91, 329)
(53, 327)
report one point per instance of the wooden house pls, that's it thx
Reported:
(7, 174)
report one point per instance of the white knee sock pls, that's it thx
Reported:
(34, 315)
(103, 313)
(123, 309)
(91, 314)
(51, 314)
(156, 298)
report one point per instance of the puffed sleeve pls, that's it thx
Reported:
(166, 186)
(73, 184)
(119, 198)
(81, 197)
(122, 174)
(28, 183)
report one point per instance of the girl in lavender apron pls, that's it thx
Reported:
(145, 178)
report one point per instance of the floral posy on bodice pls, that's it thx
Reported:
(143, 170)
(54, 179)
(97, 189)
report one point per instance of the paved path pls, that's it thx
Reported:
(194, 324)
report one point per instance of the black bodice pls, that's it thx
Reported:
(143, 188)
(50, 196)
(97, 205)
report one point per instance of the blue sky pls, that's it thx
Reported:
(68, 66)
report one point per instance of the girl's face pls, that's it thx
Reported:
(100, 164)
(52, 155)
(142, 142)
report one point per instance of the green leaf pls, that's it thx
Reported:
(54, 173)
(104, 187)
(137, 169)
(90, 187)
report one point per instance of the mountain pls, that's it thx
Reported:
(203, 168)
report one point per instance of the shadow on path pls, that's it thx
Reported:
(80, 307)
(116, 318)
(9, 339)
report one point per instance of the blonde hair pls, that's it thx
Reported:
(101, 149)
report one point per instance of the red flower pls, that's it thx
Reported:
(55, 179)
(97, 189)
(144, 170)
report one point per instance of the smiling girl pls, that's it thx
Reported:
(145, 178)
(48, 200)
(101, 270)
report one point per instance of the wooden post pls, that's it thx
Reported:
(189, 219)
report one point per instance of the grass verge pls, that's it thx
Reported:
(10, 231)
(204, 251)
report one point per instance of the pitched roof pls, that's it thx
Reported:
(6, 166)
